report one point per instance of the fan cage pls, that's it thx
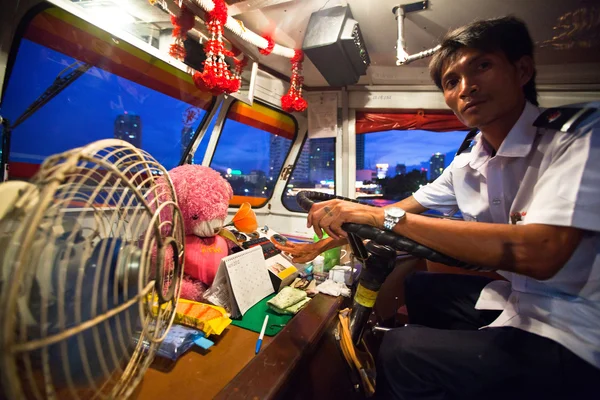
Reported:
(91, 274)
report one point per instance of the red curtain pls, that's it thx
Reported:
(439, 121)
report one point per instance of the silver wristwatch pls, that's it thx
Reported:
(392, 216)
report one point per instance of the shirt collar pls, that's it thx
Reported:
(479, 153)
(517, 143)
(519, 140)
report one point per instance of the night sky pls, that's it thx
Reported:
(87, 109)
(409, 147)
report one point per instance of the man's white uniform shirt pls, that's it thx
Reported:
(538, 176)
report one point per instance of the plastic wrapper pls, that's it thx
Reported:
(211, 320)
(179, 340)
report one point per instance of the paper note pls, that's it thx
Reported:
(322, 115)
(248, 278)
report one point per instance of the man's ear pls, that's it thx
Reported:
(525, 69)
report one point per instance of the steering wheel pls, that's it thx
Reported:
(378, 257)
(306, 199)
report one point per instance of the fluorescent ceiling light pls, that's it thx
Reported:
(113, 16)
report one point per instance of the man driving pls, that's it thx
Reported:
(530, 197)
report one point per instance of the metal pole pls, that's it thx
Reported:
(400, 11)
(6, 131)
(423, 54)
(401, 54)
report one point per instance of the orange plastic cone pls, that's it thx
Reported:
(245, 219)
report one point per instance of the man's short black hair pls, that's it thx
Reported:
(507, 34)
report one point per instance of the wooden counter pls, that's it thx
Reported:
(230, 370)
(200, 374)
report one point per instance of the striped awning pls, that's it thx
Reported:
(264, 118)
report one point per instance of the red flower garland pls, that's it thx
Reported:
(181, 26)
(292, 100)
(216, 77)
(270, 46)
(240, 64)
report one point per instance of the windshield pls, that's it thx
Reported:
(252, 148)
(86, 103)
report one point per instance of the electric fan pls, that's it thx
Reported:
(88, 249)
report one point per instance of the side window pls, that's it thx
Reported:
(252, 147)
(314, 170)
(393, 164)
(203, 145)
(85, 85)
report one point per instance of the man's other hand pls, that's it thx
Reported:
(300, 252)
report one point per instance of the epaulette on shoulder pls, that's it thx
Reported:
(465, 146)
(564, 119)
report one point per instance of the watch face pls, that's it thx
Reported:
(395, 212)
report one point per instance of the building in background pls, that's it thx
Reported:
(302, 168)
(360, 152)
(321, 160)
(400, 169)
(256, 177)
(436, 165)
(366, 175)
(382, 170)
(187, 134)
(128, 127)
(278, 151)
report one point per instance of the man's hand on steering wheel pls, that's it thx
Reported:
(364, 222)
(330, 215)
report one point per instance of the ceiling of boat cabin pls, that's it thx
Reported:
(572, 61)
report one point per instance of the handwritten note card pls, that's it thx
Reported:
(322, 115)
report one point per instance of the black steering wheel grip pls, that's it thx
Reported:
(306, 199)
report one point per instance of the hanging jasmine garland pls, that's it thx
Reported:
(292, 100)
(181, 26)
(240, 64)
(216, 77)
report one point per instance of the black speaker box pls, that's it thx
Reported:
(334, 44)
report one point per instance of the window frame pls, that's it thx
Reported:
(35, 9)
(19, 33)
(28, 9)
(208, 116)
(306, 138)
(220, 132)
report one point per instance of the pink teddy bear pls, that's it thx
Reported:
(203, 196)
